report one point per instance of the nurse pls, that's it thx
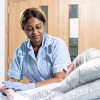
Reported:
(42, 58)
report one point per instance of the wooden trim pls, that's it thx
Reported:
(6, 39)
(64, 21)
(53, 18)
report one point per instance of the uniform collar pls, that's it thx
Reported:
(46, 41)
(29, 45)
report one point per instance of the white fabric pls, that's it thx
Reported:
(40, 93)
(2, 97)
(19, 97)
(33, 94)
(85, 73)
(90, 91)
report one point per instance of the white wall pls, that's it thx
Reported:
(2, 40)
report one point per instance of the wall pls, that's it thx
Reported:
(2, 40)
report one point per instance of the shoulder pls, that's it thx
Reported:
(24, 45)
(55, 40)
(23, 48)
(58, 42)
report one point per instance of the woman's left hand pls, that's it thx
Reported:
(18, 86)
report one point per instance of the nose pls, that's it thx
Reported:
(34, 31)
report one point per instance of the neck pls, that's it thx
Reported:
(36, 48)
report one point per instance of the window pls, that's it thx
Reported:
(73, 39)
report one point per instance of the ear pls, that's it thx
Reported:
(44, 25)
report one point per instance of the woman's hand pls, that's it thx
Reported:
(18, 86)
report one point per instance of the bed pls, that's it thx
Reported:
(82, 84)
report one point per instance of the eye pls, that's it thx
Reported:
(38, 27)
(29, 29)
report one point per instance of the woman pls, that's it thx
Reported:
(42, 59)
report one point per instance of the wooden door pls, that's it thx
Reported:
(57, 23)
(89, 24)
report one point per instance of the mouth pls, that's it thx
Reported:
(35, 36)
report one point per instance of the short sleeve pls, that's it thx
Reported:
(61, 57)
(16, 66)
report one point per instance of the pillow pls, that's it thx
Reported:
(85, 73)
(89, 91)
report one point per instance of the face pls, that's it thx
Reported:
(34, 30)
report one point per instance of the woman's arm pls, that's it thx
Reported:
(58, 77)
(14, 80)
(15, 84)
